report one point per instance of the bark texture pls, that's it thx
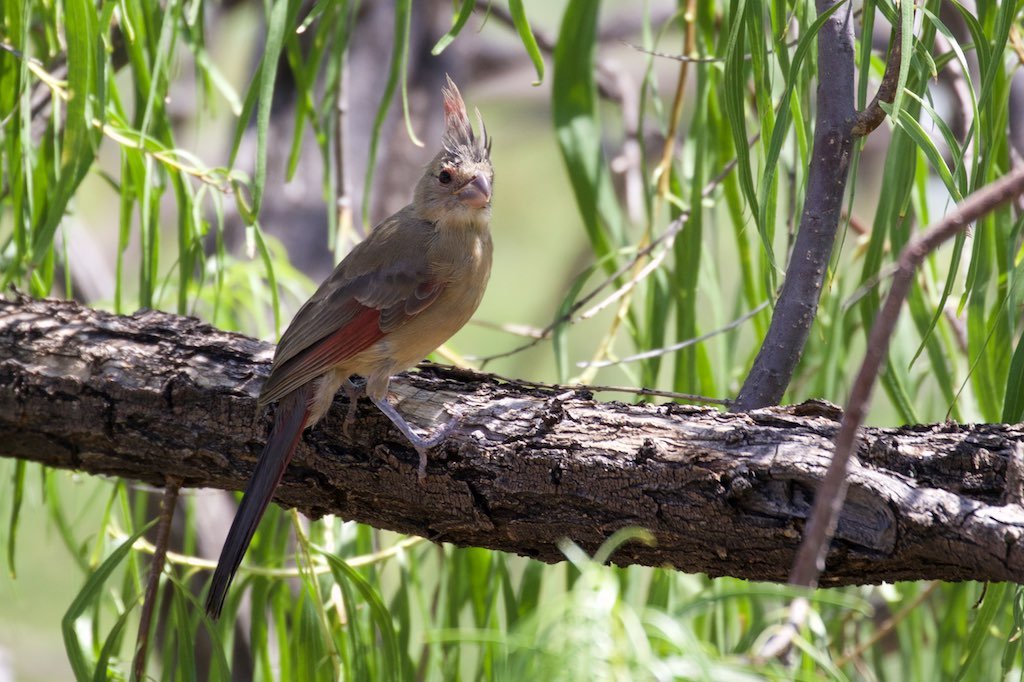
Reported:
(156, 395)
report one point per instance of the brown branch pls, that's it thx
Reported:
(827, 174)
(156, 568)
(872, 116)
(831, 495)
(155, 395)
(829, 501)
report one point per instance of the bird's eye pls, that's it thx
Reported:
(444, 177)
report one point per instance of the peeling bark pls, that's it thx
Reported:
(154, 395)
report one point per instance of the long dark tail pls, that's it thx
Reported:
(289, 420)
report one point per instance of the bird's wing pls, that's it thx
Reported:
(375, 290)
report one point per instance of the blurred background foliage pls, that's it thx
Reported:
(216, 159)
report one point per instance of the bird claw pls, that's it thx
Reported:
(439, 436)
(420, 443)
(350, 419)
(353, 393)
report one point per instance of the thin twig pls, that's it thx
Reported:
(468, 374)
(694, 60)
(686, 59)
(343, 189)
(569, 316)
(828, 499)
(666, 237)
(888, 626)
(873, 115)
(638, 276)
(190, 561)
(657, 352)
(156, 569)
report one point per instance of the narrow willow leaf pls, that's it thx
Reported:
(995, 597)
(381, 618)
(906, 50)
(112, 644)
(1013, 401)
(268, 267)
(282, 15)
(402, 10)
(460, 20)
(85, 88)
(404, 61)
(867, 30)
(689, 250)
(924, 142)
(18, 479)
(515, 8)
(1015, 641)
(574, 106)
(88, 596)
(252, 98)
(734, 105)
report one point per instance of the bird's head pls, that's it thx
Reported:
(456, 186)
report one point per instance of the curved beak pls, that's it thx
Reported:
(476, 193)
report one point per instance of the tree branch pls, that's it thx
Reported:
(156, 395)
(873, 115)
(811, 558)
(836, 124)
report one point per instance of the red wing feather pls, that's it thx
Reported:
(361, 332)
(356, 336)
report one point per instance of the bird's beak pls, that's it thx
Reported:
(476, 193)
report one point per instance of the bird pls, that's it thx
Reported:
(397, 296)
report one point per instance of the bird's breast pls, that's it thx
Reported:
(465, 268)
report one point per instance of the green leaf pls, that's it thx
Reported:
(18, 481)
(995, 597)
(734, 106)
(460, 20)
(89, 596)
(574, 105)
(282, 16)
(906, 48)
(910, 124)
(345, 574)
(402, 11)
(87, 101)
(515, 8)
(112, 643)
(1013, 401)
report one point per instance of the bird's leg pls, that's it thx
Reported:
(353, 393)
(421, 444)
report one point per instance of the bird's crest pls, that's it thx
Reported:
(458, 133)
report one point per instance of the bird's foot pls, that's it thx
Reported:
(436, 438)
(353, 393)
(420, 443)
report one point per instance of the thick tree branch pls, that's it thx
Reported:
(836, 124)
(811, 557)
(156, 395)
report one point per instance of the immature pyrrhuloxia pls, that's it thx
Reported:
(401, 293)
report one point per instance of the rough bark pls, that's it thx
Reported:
(156, 395)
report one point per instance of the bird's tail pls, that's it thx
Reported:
(289, 421)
